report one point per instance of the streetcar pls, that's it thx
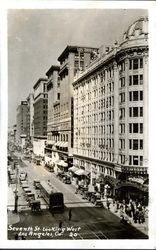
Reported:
(53, 198)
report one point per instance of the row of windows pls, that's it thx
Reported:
(133, 112)
(55, 138)
(133, 128)
(136, 112)
(136, 160)
(136, 128)
(135, 144)
(136, 96)
(135, 80)
(136, 63)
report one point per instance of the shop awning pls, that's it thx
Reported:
(62, 163)
(64, 144)
(81, 172)
(58, 143)
(61, 143)
(73, 169)
(57, 162)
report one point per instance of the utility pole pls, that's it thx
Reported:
(16, 190)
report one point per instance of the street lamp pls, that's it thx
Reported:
(16, 190)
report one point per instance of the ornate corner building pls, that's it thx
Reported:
(111, 116)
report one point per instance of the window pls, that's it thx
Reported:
(141, 111)
(135, 144)
(135, 127)
(130, 80)
(130, 144)
(141, 128)
(135, 80)
(130, 128)
(141, 63)
(130, 96)
(141, 144)
(135, 64)
(58, 96)
(130, 112)
(135, 160)
(141, 95)
(141, 160)
(135, 112)
(130, 64)
(130, 160)
(141, 79)
(135, 95)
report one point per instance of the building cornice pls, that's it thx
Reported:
(38, 82)
(52, 69)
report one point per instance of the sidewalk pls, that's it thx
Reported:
(141, 227)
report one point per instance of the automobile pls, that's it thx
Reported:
(95, 197)
(36, 206)
(98, 203)
(27, 157)
(61, 175)
(37, 161)
(13, 178)
(36, 184)
(22, 177)
(89, 195)
(67, 179)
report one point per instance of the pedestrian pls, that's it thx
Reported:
(70, 214)
(23, 237)
(108, 204)
(16, 237)
(60, 226)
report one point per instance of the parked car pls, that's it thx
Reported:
(36, 184)
(89, 195)
(67, 179)
(95, 197)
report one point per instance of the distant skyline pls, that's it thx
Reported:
(36, 38)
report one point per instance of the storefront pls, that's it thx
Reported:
(106, 185)
(126, 190)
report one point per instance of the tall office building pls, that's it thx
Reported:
(111, 116)
(72, 61)
(21, 122)
(40, 116)
(30, 118)
(53, 90)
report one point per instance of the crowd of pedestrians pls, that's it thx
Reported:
(131, 211)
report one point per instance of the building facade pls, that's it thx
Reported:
(72, 60)
(21, 121)
(30, 118)
(40, 116)
(111, 116)
(53, 90)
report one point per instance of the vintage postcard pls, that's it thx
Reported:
(75, 132)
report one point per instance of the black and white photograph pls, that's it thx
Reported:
(78, 124)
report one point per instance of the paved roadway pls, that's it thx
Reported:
(39, 172)
(95, 223)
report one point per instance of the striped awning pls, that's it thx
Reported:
(81, 172)
(62, 163)
(64, 144)
(73, 169)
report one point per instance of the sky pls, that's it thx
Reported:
(36, 38)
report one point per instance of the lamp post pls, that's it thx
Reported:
(16, 191)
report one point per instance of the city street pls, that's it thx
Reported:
(88, 222)
(39, 172)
